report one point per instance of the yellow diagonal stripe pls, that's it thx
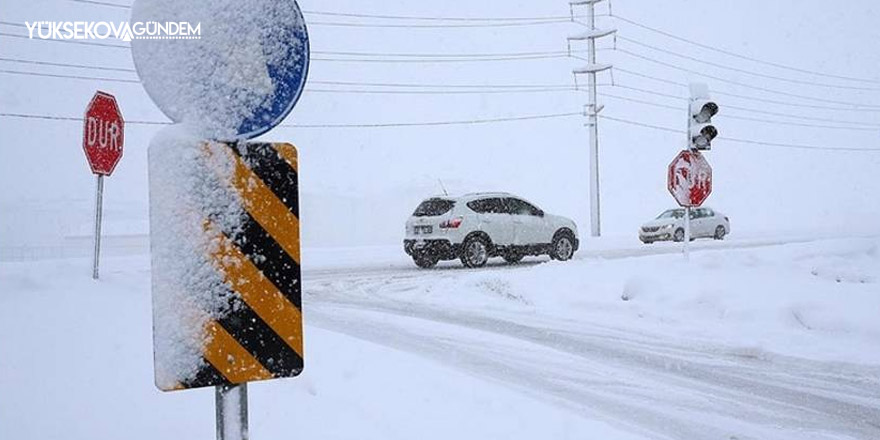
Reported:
(288, 152)
(260, 294)
(230, 358)
(266, 208)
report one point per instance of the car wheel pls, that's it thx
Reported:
(425, 261)
(562, 248)
(678, 236)
(513, 257)
(475, 252)
(720, 232)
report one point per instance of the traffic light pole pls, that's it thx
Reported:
(687, 211)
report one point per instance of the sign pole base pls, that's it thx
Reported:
(99, 212)
(232, 412)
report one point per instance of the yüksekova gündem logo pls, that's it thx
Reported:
(102, 30)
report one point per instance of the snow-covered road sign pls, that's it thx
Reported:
(103, 133)
(690, 179)
(226, 263)
(239, 78)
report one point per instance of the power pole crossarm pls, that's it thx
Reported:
(593, 108)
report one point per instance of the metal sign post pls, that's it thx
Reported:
(244, 195)
(99, 213)
(232, 412)
(687, 233)
(103, 142)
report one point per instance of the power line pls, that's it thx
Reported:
(435, 85)
(738, 140)
(743, 57)
(70, 118)
(751, 109)
(439, 92)
(425, 18)
(84, 43)
(99, 3)
(323, 82)
(459, 60)
(749, 86)
(410, 58)
(874, 129)
(869, 109)
(744, 97)
(342, 91)
(441, 123)
(385, 17)
(437, 26)
(78, 66)
(356, 125)
(441, 55)
(745, 71)
(89, 78)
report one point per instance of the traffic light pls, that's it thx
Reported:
(701, 132)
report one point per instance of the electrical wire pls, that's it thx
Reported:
(438, 26)
(736, 83)
(741, 141)
(88, 78)
(744, 71)
(388, 17)
(365, 56)
(740, 56)
(870, 109)
(78, 66)
(426, 18)
(873, 129)
(751, 109)
(371, 125)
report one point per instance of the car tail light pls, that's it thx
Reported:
(452, 223)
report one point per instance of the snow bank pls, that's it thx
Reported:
(816, 300)
(95, 381)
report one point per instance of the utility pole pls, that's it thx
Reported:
(593, 107)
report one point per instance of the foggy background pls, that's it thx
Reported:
(359, 185)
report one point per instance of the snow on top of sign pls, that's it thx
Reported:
(188, 180)
(216, 82)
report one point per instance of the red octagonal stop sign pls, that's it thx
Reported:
(103, 133)
(690, 179)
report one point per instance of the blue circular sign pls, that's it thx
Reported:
(228, 69)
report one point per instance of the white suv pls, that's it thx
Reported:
(476, 227)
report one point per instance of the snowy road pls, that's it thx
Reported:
(652, 384)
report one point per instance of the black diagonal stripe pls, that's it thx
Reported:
(207, 376)
(260, 340)
(269, 257)
(273, 170)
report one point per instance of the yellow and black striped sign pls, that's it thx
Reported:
(259, 336)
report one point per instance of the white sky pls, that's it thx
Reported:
(359, 185)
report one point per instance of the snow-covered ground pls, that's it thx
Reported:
(744, 341)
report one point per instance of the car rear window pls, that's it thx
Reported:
(434, 207)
